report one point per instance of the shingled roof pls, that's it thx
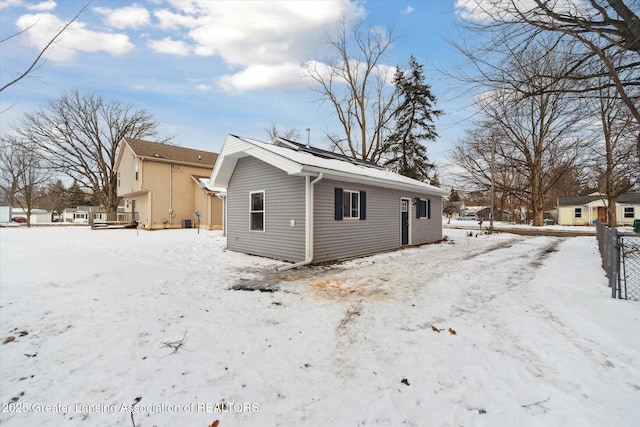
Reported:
(302, 162)
(171, 153)
(631, 198)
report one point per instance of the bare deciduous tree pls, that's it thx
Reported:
(79, 136)
(356, 84)
(290, 133)
(23, 173)
(10, 170)
(614, 159)
(604, 36)
(535, 129)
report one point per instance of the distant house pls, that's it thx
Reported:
(5, 213)
(585, 210)
(162, 184)
(301, 204)
(485, 214)
(37, 215)
(81, 214)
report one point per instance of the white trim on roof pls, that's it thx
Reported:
(301, 163)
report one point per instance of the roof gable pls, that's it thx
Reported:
(294, 161)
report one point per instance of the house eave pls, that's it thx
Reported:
(377, 182)
(174, 162)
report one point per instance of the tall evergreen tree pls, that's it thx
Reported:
(414, 115)
(77, 197)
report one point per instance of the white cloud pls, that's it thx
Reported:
(169, 20)
(75, 38)
(42, 6)
(125, 17)
(382, 72)
(385, 72)
(407, 10)
(260, 76)
(170, 46)
(9, 3)
(259, 37)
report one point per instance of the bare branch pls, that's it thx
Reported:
(354, 84)
(36, 63)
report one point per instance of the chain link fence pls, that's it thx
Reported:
(630, 255)
(620, 254)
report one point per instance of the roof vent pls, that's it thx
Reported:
(199, 157)
(157, 155)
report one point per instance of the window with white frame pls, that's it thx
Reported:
(351, 204)
(256, 210)
(629, 212)
(577, 212)
(137, 169)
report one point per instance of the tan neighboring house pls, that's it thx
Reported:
(586, 210)
(162, 183)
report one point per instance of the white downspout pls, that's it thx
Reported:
(170, 194)
(223, 197)
(308, 232)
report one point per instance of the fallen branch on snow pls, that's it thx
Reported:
(538, 403)
(176, 345)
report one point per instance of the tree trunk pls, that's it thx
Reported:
(537, 194)
(611, 211)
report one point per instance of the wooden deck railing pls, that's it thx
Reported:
(104, 219)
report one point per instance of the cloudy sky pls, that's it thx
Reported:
(208, 68)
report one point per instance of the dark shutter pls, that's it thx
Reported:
(417, 200)
(338, 204)
(428, 208)
(363, 205)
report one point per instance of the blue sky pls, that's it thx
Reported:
(204, 69)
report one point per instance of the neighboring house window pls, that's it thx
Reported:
(423, 208)
(350, 204)
(118, 179)
(577, 212)
(137, 169)
(256, 210)
(629, 212)
(79, 216)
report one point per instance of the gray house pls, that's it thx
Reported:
(301, 204)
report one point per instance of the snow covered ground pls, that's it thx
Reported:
(478, 331)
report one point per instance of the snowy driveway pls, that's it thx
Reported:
(487, 330)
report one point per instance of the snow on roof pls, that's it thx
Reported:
(303, 163)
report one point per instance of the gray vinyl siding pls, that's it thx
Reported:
(427, 230)
(379, 232)
(284, 201)
(353, 237)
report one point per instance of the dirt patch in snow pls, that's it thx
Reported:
(544, 252)
(267, 280)
(495, 247)
(341, 288)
